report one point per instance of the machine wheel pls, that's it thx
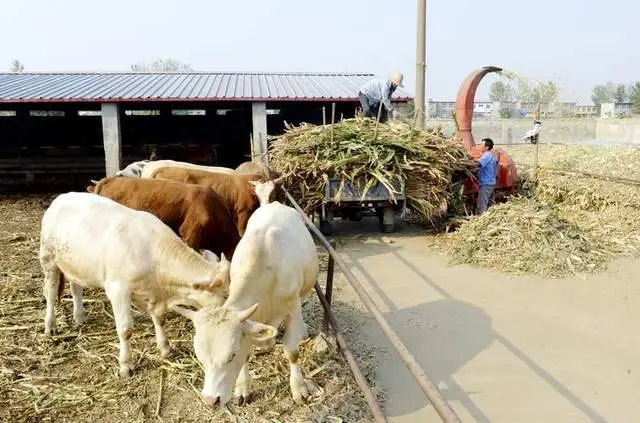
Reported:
(387, 220)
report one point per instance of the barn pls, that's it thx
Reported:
(63, 128)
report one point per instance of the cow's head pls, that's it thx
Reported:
(267, 191)
(222, 343)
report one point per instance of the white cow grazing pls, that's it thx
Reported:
(93, 241)
(151, 168)
(275, 264)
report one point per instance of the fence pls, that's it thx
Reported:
(432, 393)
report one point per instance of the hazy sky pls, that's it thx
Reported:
(577, 43)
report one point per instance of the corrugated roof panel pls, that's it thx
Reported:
(138, 86)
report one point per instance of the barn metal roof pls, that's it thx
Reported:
(181, 86)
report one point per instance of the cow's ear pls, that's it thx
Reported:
(259, 332)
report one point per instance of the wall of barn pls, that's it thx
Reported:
(310, 112)
(208, 134)
(49, 144)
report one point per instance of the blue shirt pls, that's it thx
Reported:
(488, 168)
(378, 90)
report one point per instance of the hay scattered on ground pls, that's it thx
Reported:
(73, 377)
(359, 153)
(528, 236)
(573, 186)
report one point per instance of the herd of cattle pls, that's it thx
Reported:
(165, 235)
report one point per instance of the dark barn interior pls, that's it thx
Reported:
(53, 135)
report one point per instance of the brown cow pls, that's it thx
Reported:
(236, 190)
(197, 214)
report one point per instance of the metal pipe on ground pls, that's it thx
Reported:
(431, 391)
(369, 396)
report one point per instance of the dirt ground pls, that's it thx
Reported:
(72, 377)
(501, 349)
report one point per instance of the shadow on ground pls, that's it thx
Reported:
(444, 335)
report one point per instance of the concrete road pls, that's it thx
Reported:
(502, 349)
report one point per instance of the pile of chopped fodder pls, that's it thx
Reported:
(362, 155)
(584, 176)
(72, 376)
(525, 235)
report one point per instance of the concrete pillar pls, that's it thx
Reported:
(111, 137)
(259, 117)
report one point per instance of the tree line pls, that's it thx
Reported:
(157, 65)
(524, 92)
(617, 93)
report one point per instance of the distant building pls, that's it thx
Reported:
(586, 111)
(616, 110)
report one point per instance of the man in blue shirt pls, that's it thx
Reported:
(379, 91)
(487, 177)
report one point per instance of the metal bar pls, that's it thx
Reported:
(329, 287)
(369, 396)
(420, 62)
(431, 391)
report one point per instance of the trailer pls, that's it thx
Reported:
(345, 200)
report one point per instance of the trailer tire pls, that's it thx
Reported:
(387, 220)
(326, 227)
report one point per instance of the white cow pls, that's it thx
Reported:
(92, 241)
(274, 266)
(152, 167)
(134, 170)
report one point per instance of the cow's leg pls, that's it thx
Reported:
(294, 333)
(243, 384)
(79, 315)
(52, 277)
(120, 297)
(161, 335)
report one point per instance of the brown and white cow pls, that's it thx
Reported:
(199, 215)
(94, 242)
(235, 190)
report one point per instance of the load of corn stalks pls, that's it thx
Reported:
(589, 177)
(525, 235)
(362, 153)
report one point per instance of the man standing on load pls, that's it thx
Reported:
(379, 91)
(486, 177)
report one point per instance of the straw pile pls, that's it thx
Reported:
(562, 178)
(358, 153)
(72, 376)
(573, 223)
(528, 236)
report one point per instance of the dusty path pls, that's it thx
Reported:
(502, 349)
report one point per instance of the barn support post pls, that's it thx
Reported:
(111, 137)
(259, 119)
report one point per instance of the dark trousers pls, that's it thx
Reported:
(370, 110)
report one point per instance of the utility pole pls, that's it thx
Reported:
(421, 63)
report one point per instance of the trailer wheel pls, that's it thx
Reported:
(326, 227)
(326, 224)
(356, 216)
(387, 220)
